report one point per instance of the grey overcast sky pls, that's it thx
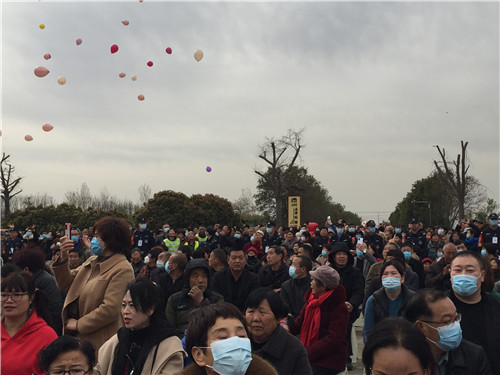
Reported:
(376, 85)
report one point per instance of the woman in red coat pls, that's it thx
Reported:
(322, 323)
(24, 325)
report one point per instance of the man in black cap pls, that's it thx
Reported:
(271, 237)
(143, 237)
(492, 233)
(12, 244)
(373, 240)
(417, 238)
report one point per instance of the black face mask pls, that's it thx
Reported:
(251, 259)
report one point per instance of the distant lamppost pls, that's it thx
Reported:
(428, 206)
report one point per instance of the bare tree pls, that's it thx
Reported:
(245, 203)
(82, 199)
(21, 202)
(9, 184)
(144, 194)
(280, 156)
(454, 175)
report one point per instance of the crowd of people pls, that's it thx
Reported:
(115, 300)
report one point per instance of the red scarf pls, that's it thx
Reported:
(312, 319)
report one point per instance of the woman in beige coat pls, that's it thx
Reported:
(147, 344)
(91, 310)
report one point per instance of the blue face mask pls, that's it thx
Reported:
(398, 230)
(324, 253)
(450, 336)
(252, 238)
(484, 253)
(302, 239)
(440, 232)
(352, 230)
(292, 272)
(391, 284)
(166, 268)
(439, 255)
(166, 229)
(494, 222)
(358, 236)
(407, 254)
(467, 235)
(359, 253)
(269, 230)
(28, 234)
(465, 285)
(142, 226)
(45, 236)
(232, 356)
(372, 229)
(340, 231)
(95, 246)
(237, 236)
(302, 230)
(75, 239)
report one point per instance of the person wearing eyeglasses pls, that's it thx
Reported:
(67, 355)
(25, 328)
(433, 312)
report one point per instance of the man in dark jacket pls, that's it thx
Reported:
(235, 282)
(431, 310)
(373, 239)
(276, 271)
(271, 237)
(194, 294)
(171, 279)
(293, 290)
(352, 280)
(480, 310)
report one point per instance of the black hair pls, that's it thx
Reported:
(30, 256)
(65, 344)
(9, 268)
(394, 245)
(396, 254)
(204, 318)
(397, 333)
(185, 249)
(458, 242)
(407, 244)
(305, 262)
(279, 251)
(397, 264)
(221, 255)
(418, 305)
(468, 253)
(145, 296)
(275, 302)
(24, 282)
(307, 248)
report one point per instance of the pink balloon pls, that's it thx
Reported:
(208, 169)
(121, 75)
(114, 48)
(47, 127)
(150, 64)
(41, 71)
(47, 56)
(140, 97)
(125, 22)
(168, 50)
(28, 138)
(79, 41)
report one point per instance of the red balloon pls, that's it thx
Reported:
(125, 22)
(168, 50)
(47, 127)
(28, 138)
(140, 97)
(121, 75)
(79, 41)
(47, 56)
(150, 64)
(114, 48)
(41, 71)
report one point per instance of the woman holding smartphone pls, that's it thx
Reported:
(91, 310)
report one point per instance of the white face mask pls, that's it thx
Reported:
(160, 264)
(146, 259)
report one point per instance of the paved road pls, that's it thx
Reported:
(358, 365)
